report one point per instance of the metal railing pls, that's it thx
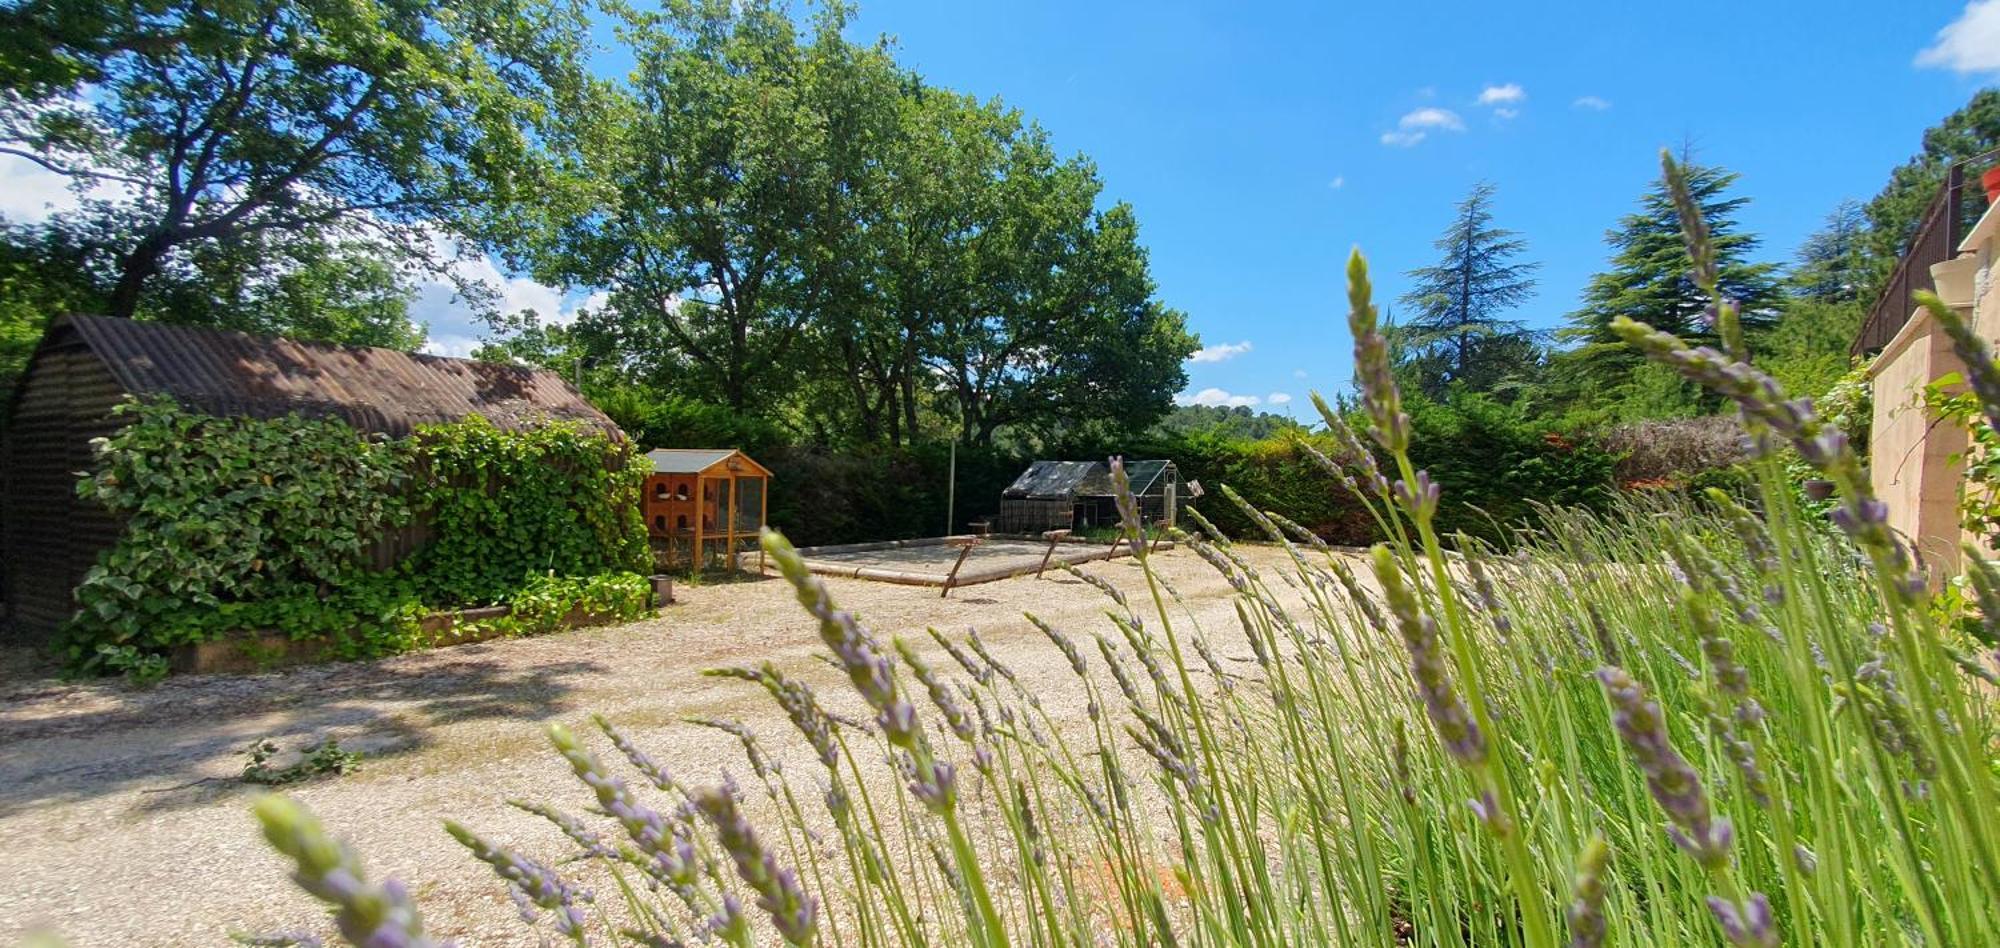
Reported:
(1935, 242)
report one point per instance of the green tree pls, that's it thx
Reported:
(281, 126)
(1649, 276)
(1898, 210)
(1832, 261)
(1456, 328)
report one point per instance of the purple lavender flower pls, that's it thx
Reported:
(1372, 371)
(579, 832)
(1980, 371)
(664, 852)
(856, 650)
(532, 884)
(794, 913)
(1673, 782)
(1454, 723)
(941, 696)
(1746, 925)
(378, 916)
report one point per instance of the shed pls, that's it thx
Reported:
(85, 365)
(1068, 495)
(705, 505)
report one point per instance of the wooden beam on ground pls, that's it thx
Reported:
(965, 545)
(1054, 537)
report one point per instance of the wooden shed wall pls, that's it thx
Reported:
(51, 537)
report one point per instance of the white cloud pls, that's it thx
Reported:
(1339, 181)
(1416, 125)
(1969, 44)
(1591, 102)
(1215, 397)
(30, 193)
(1221, 353)
(1278, 398)
(1502, 94)
(1298, 373)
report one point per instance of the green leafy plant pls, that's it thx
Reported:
(319, 759)
(235, 525)
(1953, 404)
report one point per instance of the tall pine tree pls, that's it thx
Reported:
(1649, 276)
(1456, 330)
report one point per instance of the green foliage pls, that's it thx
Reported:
(1807, 350)
(1236, 421)
(1979, 493)
(237, 524)
(226, 511)
(234, 133)
(504, 506)
(1895, 213)
(1497, 465)
(323, 758)
(1456, 329)
(791, 225)
(1649, 277)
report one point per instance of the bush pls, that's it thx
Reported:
(236, 524)
(1674, 451)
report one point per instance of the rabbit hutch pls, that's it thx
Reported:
(705, 506)
(1078, 495)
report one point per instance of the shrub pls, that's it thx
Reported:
(235, 524)
(1675, 451)
(1807, 728)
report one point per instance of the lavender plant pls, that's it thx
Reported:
(1683, 722)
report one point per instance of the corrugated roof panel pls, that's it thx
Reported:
(376, 390)
(1052, 479)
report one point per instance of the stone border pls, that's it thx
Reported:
(1097, 551)
(266, 649)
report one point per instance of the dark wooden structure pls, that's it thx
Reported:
(87, 364)
(705, 505)
(1075, 495)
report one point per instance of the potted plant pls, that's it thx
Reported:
(1954, 279)
(1991, 182)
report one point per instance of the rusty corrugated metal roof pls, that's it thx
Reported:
(377, 390)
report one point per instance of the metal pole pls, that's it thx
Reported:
(951, 491)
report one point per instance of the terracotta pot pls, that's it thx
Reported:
(1991, 182)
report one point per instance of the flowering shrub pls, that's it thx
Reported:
(1664, 725)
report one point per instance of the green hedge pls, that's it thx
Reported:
(236, 524)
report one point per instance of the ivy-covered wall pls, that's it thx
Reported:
(239, 524)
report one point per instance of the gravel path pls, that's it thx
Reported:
(121, 822)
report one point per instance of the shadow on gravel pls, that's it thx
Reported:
(182, 742)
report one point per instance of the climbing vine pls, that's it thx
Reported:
(504, 506)
(234, 524)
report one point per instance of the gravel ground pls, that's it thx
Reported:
(122, 823)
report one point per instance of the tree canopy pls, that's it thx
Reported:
(1456, 330)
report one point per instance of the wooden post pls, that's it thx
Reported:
(763, 518)
(735, 497)
(1054, 537)
(965, 545)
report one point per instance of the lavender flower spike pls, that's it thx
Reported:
(1586, 907)
(379, 916)
(857, 651)
(1128, 507)
(531, 883)
(1673, 782)
(1454, 723)
(794, 913)
(1371, 361)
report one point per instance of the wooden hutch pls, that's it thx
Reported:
(705, 505)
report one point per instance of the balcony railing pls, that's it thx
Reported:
(1935, 242)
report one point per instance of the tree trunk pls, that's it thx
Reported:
(134, 269)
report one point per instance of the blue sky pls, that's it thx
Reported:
(1259, 143)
